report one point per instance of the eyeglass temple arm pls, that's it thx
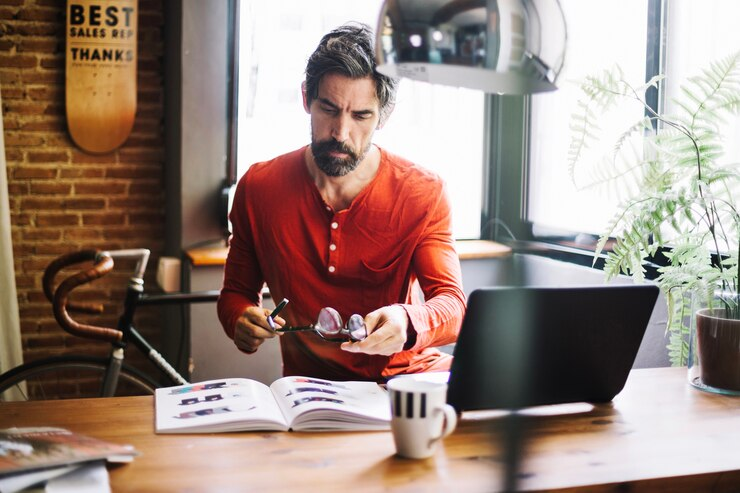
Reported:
(300, 328)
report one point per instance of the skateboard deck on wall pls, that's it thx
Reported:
(101, 72)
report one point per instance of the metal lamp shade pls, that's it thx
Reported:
(498, 46)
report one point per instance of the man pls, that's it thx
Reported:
(343, 223)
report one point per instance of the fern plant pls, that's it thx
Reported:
(682, 200)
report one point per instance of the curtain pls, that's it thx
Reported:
(10, 333)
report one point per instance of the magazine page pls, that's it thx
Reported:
(11, 483)
(315, 404)
(27, 449)
(227, 404)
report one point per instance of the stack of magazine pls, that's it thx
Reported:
(34, 456)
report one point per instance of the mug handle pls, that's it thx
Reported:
(449, 423)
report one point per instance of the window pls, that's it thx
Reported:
(440, 128)
(600, 35)
(689, 35)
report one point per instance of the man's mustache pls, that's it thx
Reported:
(326, 146)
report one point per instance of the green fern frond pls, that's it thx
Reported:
(619, 176)
(636, 128)
(710, 87)
(721, 174)
(602, 93)
(692, 97)
(652, 83)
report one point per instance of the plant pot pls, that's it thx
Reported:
(714, 358)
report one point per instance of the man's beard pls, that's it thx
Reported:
(334, 166)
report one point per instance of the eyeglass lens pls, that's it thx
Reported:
(356, 328)
(330, 324)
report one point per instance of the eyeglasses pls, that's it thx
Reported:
(329, 327)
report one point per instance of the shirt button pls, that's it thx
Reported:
(334, 225)
(332, 247)
(332, 268)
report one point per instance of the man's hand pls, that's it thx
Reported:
(387, 332)
(252, 329)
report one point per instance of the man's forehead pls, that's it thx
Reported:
(341, 90)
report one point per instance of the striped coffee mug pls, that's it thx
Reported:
(420, 416)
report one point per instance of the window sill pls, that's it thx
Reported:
(466, 249)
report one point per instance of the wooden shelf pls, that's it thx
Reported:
(474, 249)
(466, 249)
(207, 256)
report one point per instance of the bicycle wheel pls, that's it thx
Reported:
(70, 377)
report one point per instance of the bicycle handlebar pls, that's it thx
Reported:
(102, 264)
(66, 260)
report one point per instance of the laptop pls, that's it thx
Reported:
(533, 346)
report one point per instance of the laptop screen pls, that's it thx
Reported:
(530, 346)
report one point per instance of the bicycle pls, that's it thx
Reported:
(98, 376)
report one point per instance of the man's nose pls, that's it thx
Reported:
(340, 129)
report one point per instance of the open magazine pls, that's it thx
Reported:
(290, 403)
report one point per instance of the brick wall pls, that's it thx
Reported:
(61, 198)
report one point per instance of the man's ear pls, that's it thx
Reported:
(305, 99)
(384, 115)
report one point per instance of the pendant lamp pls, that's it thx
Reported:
(497, 46)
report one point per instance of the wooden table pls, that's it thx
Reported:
(659, 434)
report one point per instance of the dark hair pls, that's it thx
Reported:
(348, 50)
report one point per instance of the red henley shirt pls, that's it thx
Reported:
(396, 232)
